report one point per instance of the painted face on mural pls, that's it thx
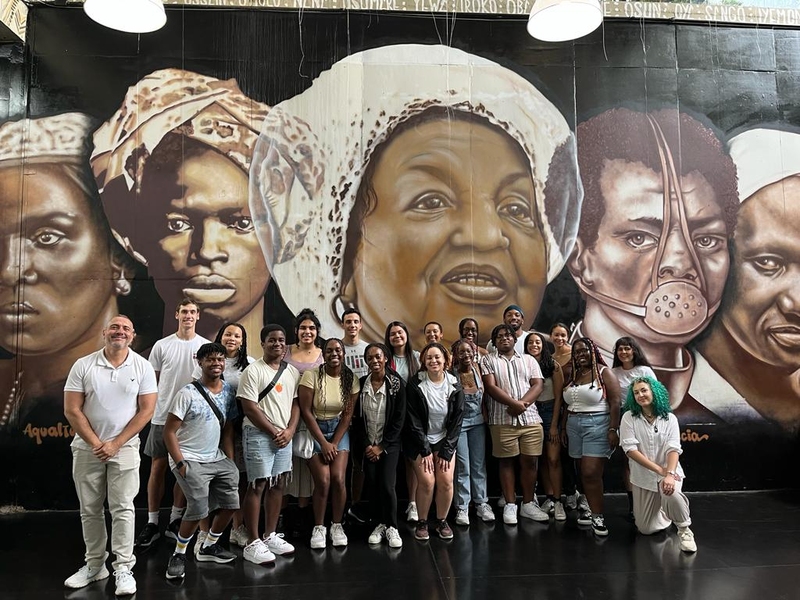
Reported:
(764, 313)
(453, 229)
(205, 246)
(629, 235)
(57, 277)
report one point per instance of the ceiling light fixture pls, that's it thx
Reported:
(130, 16)
(563, 20)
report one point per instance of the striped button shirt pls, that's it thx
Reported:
(512, 375)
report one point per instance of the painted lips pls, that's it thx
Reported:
(787, 336)
(471, 283)
(209, 289)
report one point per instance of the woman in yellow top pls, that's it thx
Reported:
(327, 395)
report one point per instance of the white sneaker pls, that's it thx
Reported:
(239, 536)
(411, 513)
(278, 545)
(529, 510)
(583, 504)
(559, 512)
(258, 553)
(85, 576)
(199, 540)
(548, 506)
(687, 540)
(319, 538)
(510, 514)
(462, 516)
(126, 584)
(393, 537)
(377, 535)
(571, 501)
(338, 537)
(484, 512)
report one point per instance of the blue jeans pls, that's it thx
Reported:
(471, 466)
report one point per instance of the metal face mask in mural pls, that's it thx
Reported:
(677, 304)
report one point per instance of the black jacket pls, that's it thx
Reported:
(395, 414)
(415, 433)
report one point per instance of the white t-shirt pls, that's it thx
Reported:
(174, 360)
(402, 366)
(199, 434)
(436, 395)
(625, 377)
(277, 405)
(354, 359)
(111, 393)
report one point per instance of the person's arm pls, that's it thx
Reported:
(257, 417)
(306, 398)
(416, 419)
(612, 397)
(171, 440)
(537, 385)
(73, 410)
(146, 404)
(453, 429)
(344, 420)
(558, 391)
(227, 439)
(285, 436)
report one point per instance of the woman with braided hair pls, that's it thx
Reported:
(651, 438)
(592, 425)
(327, 395)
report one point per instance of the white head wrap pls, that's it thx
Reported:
(324, 138)
(58, 138)
(764, 156)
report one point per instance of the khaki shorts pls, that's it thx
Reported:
(512, 440)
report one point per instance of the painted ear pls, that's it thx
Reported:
(579, 264)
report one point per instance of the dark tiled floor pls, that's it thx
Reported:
(749, 549)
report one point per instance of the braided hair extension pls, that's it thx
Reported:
(345, 379)
(597, 362)
(241, 356)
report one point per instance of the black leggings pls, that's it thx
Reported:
(379, 487)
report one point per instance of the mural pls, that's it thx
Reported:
(415, 180)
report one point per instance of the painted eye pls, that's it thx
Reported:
(178, 223)
(709, 242)
(640, 240)
(769, 264)
(430, 203)
(47, 237)
(241, 224)
(517, 209)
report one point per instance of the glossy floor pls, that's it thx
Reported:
(749, 548)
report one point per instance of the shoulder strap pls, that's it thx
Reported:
(211, 403)
(274, 381)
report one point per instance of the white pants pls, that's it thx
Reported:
(653, 511)
(118, 481)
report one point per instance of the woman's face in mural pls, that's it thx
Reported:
(56, 264)
(764, 314)
(454, 229)
(629, 234)
(206, 247)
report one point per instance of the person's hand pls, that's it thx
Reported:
(668, 485)
(553, 436)
(444, 465)
(282, 438)
(427, 463)
(106, 450)
(183, 469)
(329, 452)
(613, 439)
(516, 409)
(373, 453)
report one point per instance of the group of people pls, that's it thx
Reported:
(240, 433)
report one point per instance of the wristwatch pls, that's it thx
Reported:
(180, 464)
(614, 429)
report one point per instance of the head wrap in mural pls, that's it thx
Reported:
(764, 156)
(59, 138)
(315, 148)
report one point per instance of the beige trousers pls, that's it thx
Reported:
(653, 511)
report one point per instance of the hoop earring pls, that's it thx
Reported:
(122, 286)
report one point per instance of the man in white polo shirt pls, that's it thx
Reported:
(108, 398)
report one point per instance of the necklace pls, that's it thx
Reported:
(467, 379)
(14, 398)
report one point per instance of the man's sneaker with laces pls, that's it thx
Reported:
(338, 536)
(199, 540)
(444, 530)
(258, 553)
(462, 516)
(571, 501)
(421, 531)
(215, 553)
(147, 536)
(125, 583)
(172, 529)
(558, 511)
(529, 510)
(484, 512)
(277, 545)
(176, 568)
(377, 535)
(319, 537)
(599, 525)
(393, 537)
(85, 576)
(548, 506)
(585, 518)
(239, 536)
(583, 504)
(510, 514)
(686, 537)
(411, 512)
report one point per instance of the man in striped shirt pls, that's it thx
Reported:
(513, 382)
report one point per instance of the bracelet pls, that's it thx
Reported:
(675, 476)
(614, 429)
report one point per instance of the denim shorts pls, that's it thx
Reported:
(546, 412)
(588, 435)
(328, 428)
(263, 459)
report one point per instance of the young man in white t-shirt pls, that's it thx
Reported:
(109, 397)
(174, 359)
(269, 425)
(199, 439)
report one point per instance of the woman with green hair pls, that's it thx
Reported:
(650, 437)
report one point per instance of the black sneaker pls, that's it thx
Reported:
(355, 514)
(176, 568)
(172, 529)
(215, 553)
(599, 526)
(147, 536)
